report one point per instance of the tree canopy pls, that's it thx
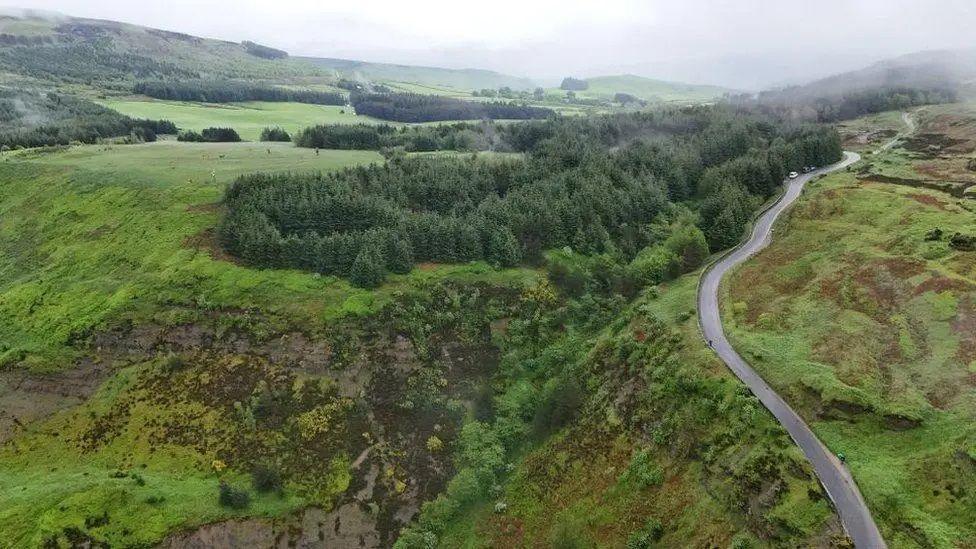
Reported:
(599, 185)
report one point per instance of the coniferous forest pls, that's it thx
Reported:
(208, 91)
(603, 185)
(411, 107)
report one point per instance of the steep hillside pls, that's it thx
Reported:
(457, 79)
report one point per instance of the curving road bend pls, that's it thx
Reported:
(832, 473)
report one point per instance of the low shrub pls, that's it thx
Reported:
(647, 536)
(232, 497)
(266, 479)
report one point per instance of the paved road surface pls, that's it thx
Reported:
(833, 474)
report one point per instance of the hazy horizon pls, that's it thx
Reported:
(721, 43)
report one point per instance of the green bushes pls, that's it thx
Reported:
(642, 472)
(275, 134)
(210, 135)
(560, 405)
(234, 498)
(647, 536)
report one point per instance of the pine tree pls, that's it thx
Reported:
(503, 248)
(368, 269)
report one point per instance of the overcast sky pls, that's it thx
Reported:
(741, 43)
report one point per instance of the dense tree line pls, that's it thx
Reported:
(599, 185)
(410, 107)
(798, 103)
(210, 135)
(460, 136)
(38, 119)
(264, 52)
(226, 91)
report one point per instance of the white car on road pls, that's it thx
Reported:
(793, 175)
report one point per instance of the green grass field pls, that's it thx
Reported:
(866, 323)
(248, 118)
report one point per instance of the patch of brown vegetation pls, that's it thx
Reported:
(943, 186)
(207, 241)
(934, 144)
(939, 283)
(964, 326)
(212, 207)
(929, 200)
(903, 267)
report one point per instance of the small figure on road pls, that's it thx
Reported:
(842, 457)
(709, 342)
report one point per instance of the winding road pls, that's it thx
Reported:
(834, 476)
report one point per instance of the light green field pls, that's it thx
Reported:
(248, 118)
(110, 224)
(867, 326)
(649, 89)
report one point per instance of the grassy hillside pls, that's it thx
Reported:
(87, 214)
(248, 118)
(672, 451)
(650, 89)
(453, 79)
(867, 329)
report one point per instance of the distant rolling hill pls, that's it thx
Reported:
(650, 89)
(42, 46)
(458, 79)
(52, 47)
(944, 69)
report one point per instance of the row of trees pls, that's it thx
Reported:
(461, 136)
(410, 107)
(227, 91)
(38, 119)
(597, 185)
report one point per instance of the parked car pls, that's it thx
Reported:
(793, 175)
